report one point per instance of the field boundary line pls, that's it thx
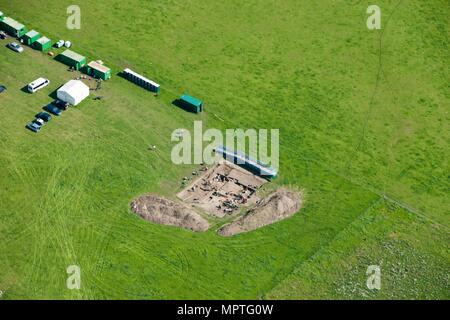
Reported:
(387, 197)
(317, 252)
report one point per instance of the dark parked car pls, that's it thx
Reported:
(34, 126)
(44, 116)
(3, 35)
(39, 121)
(2, 88)
(53, 109)
(61, 104)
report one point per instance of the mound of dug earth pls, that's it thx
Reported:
(162, 211)
(277, 206)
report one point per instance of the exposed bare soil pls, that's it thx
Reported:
(223, 190)
(278, 206)
(166, 212)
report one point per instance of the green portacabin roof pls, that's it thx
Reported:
(43, 40)
(191, 100)
(13, 23)
(97, 66)
(73, 55)
(32, 33)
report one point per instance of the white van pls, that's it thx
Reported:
(38, 84)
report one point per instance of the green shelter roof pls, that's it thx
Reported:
(32, 33)
(97, 66)
(191, 100)
(13, 23)
(73, 55)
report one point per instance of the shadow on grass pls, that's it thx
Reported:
(29, 128)
(121, 74)
(180, 104)
(54, 94)
(24, 89)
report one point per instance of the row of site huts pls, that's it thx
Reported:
(39, 42)
(78, 62)
(31, 38)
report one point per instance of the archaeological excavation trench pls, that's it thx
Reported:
(223, 191)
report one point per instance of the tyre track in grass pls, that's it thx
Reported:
(74, 198)
(367, 187)
(42, 219)
(59, 233)
(366, 212)
(106, 238)
(13, 160)
(122, 235)
(32, 228)
(103, 234)
(118, 288)
(24, 178)
(96, 157)
(138, 247)
(54, 219)
(85, 236)
(348, 166)
(105, 243)
(40, 240)
(38, 237)
(62, 235)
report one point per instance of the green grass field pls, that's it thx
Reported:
(364, 130)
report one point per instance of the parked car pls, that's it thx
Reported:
(2, 88)
(39, 121)
(59, 44)
(34, 126)
(53, 109)
(61, 104)
(67, 44)
(38, 84)
(3, 35)
(15, 47)
(44, 116)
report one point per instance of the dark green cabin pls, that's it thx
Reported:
(191, 104)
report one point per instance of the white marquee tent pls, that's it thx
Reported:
(73, 92)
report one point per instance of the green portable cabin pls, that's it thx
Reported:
(2, 16)
(13, 27)
(43, 44)
(191, 104)
(97, 70)
(30, 37)
(72, 59)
